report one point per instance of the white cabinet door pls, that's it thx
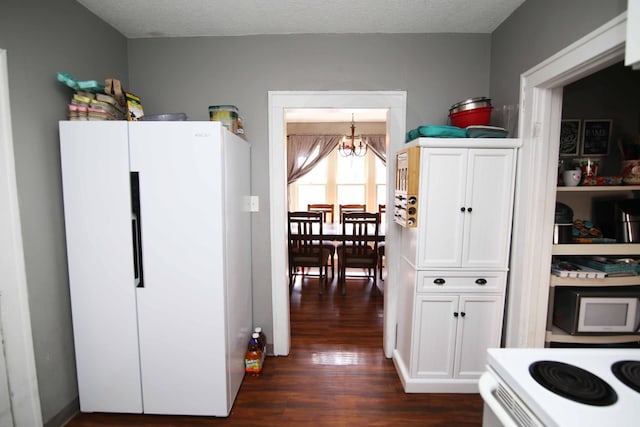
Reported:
(465, 211)
(181, 309)
(489, 193)
(434, 336)
(452, 334)
(97, 208)
(479, 328)
(442, 196)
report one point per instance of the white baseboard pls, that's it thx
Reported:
(431, 385)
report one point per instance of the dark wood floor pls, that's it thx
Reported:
(335, 375)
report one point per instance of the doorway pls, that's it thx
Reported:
(19, 400)
(541, 107)
(334, 176)
(395, 103)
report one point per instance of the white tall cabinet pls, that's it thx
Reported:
(454, 263)
(158, 242)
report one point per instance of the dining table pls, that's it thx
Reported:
(333, 231)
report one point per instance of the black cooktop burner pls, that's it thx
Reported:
(628, 371)
(573, 382)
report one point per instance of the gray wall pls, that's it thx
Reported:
(537, 30)
(611, 93)
(188, 75)
(42, 38)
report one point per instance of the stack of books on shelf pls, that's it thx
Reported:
(575, 271)
(95, 106)
(594, 267)
(611, 266)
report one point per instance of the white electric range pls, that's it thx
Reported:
(561, 387)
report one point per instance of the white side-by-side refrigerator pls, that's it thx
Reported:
(159, 252)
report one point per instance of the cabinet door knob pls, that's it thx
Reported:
(455, 314)
(481, 281)
(439, 281)
(462, 209)
(469, 209)
(462, 313)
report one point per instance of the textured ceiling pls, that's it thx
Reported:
(191, 18)
(188, 18)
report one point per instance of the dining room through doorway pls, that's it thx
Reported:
(320, 170)
(335, 156)
(395, 102)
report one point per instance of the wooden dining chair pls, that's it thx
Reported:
(360, 246)
(327, 216)
(305, 246)
(381, 210)
(325, 208)
(351, 208)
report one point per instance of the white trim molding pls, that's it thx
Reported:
(541, 110)
(395, 102)
(14, 301)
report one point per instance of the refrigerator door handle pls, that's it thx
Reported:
(136, 230)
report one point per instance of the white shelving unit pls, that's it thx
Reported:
(598, 189)
(582, 196)
(596, 249)
(609, 281)
(557, 335)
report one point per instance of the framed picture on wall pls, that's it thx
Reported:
(596, 137)
(569, 137)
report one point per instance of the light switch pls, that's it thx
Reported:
(253, 204)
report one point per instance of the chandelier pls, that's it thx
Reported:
(352, 145)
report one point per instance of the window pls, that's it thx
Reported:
(342, 180)
(381, 183)
(311, 187)
(351, 179)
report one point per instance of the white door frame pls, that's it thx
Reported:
(279, 101)
(14, 305)
(540, 112)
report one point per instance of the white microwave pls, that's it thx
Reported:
(597, 310)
